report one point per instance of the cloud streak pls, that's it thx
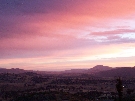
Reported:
(64, 29)
(113, 32)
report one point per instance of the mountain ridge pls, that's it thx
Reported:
(98, 70)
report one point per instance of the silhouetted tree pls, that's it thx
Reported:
(119, 88)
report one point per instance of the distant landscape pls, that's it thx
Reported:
(94, 84)
(99, 70)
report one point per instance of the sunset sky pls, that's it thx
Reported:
(64, 34)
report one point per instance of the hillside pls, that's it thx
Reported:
(98, 68)
(13, 70)
(98, 71)
(121, 71)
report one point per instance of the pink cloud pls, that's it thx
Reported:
(59, 29)
(113, 32)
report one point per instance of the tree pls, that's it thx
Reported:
(119, 88)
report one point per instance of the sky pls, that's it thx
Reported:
(55, 35)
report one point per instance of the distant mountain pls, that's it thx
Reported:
(98, 71)
(93, 70)
(118, 71)
(13, 70)
(98, 68)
